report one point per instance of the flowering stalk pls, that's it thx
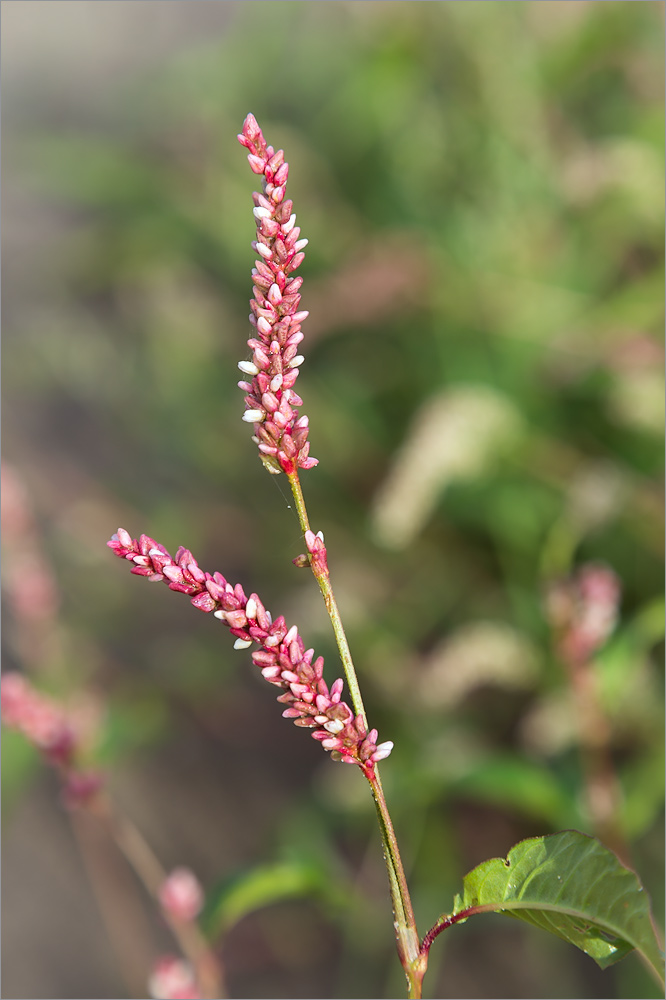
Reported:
(405, 924)
(318, 562)
(282, 657)
(282, 439)
(271, 406)
(582, 611)
(50, 728)
(271, 403)
(181, 899)
(285, 662)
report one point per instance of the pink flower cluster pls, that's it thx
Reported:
(282, 656)
(583, 611)
(181, 896)
(42, 721)
(46, 725)
(271, 403)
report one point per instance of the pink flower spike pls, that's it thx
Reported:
(281, 658)
(275, 307)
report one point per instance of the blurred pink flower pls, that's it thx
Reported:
(48, 726)
(181, 895)
(173, 979)
(38, 717)
(583, 611)
(27, 579)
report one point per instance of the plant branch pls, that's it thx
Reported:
(320, 571)
(150, 872)
(413, 960)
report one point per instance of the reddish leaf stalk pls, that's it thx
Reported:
(448, 920)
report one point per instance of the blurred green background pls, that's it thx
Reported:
(482, 188)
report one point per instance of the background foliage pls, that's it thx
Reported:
(481, 185)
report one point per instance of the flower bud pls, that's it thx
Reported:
(181, 896)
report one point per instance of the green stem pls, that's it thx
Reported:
(331, 605)
(414, 962)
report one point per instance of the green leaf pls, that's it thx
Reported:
(254, 889)
(572, 886)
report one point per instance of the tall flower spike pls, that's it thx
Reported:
(281, 656)
(271, 402)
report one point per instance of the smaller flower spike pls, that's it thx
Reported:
(42, 721)
(281, 656)
(51, 729)
(583, 611)
(271, 404)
